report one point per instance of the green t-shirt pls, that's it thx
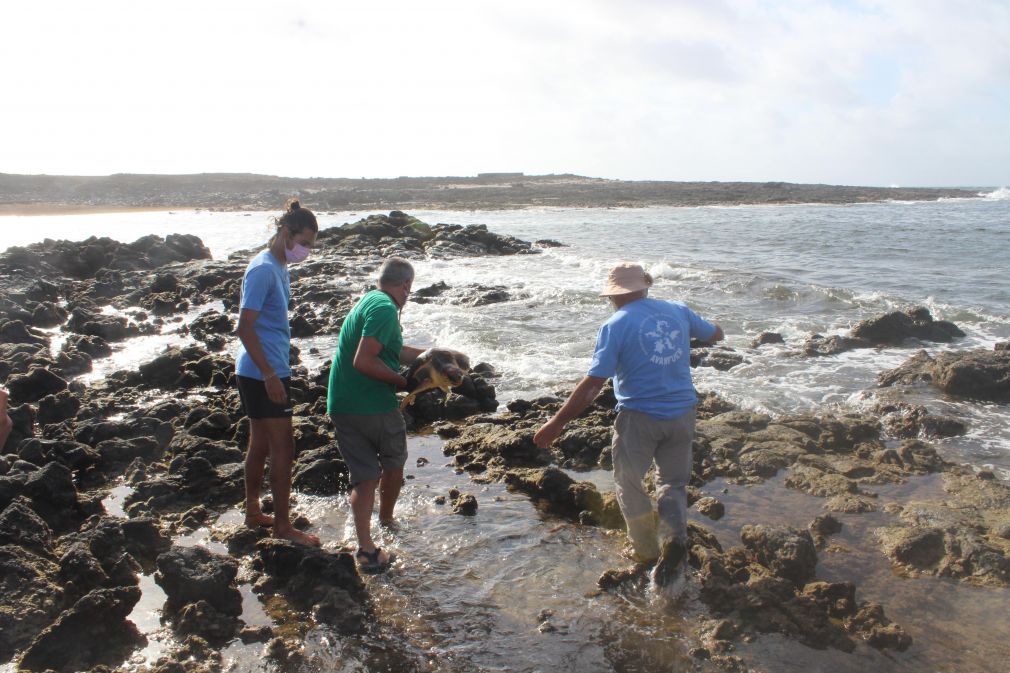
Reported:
(350, 391)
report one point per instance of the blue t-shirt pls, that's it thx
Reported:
(266, 288)
(646, 347)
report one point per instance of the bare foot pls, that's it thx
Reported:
(391, 524)
(258, 520)
(298, 536)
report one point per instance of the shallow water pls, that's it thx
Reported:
(512, 590)
(955, 627)
(505, 590)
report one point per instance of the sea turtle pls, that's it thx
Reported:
(436, 368)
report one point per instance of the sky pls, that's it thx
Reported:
(902, 92)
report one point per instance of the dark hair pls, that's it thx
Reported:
(296, 218)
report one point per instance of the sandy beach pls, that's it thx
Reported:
(29, 209)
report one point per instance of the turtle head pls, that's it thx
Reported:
(454, 374)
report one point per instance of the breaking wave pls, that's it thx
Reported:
(999, 194)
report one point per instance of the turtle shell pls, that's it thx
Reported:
(438, 361)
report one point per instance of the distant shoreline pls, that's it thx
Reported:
(37, 209)
(42, 194)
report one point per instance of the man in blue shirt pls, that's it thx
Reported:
(645, 347)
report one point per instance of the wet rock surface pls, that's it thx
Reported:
(961, 537)
(897, 327)
(977, 374)
(94, 631)
(171, 427)
(325, 584)
(767, 338)
(465, 504)
(710, 507)
(822, 527)
(768, 585)
(30, 596)
(181, 456)
(915, 421)
(193, 574)
(892, 329)
(466, 295)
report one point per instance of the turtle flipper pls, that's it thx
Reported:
(409, 399)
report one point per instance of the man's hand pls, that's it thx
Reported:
(583, 395)
(409, 382)
(275, 391)
(546, 435)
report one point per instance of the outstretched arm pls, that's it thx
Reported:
(408, 354)
(583, 395)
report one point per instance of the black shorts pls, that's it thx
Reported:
(256, 403)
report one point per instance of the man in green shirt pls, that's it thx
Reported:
(362, 403)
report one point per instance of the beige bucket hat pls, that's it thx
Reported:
(626, 278)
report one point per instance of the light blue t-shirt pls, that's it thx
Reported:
(646, 347)
(266, 288)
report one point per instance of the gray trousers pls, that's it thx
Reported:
(640, 440)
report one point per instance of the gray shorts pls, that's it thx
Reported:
(370, 444)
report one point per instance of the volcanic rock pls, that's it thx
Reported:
(711, 508)
(767, 338)
(321, 472)
(976, 374)
(787, 552)
(58, 408)
(326, 583)
(20, 525)
(465, 504)
(832, 345)
(191, 574)
(30, 596)
(94, 631)
(203, 619)
(34, 385)
(109, 328)
(894, 328)
(958, 537)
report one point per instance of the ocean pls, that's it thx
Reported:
(792, 269)
(510, 590)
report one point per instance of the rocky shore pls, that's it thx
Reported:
(487, 191)
(171, 431)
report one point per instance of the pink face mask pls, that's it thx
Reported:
(296, 254)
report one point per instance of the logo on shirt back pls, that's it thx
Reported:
(658, 338)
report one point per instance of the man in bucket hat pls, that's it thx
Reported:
(645, 348)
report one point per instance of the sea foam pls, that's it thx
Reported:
(999, 194)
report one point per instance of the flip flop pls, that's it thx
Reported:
(372, 565)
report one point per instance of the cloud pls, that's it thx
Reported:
(848, 91)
